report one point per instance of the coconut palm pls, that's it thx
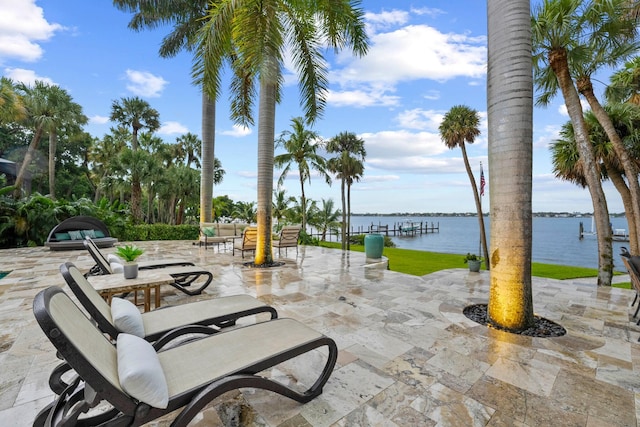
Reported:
(459, 125)
(326, 218)
(137, 114)
(510, 114)
(281, 204)
(186, 18)
(301, 147)
(348, 166)
(259, 32)
(556, 28)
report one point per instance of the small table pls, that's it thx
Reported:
(109, 285)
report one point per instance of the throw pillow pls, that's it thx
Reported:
(126, 317)
(99, 234)
(116, 267)
(88, 233)
(209, 231)
(140, 372)
(114, 258)
(75, 235)
(62, 236)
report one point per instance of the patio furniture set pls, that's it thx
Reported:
(146, 365)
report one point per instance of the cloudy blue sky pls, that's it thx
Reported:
(425, 57)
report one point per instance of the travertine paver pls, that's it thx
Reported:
(407, 354)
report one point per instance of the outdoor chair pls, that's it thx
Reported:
(184, 275)
(220, 312)
(631, 263)
(248, 241)
(132, 384)
(100, 258)
(288, 238)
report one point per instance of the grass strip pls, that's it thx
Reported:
(419, 263)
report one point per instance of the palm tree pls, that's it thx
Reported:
(327, 218)
(625, 83)
(301, 145)
(281, 204)
(257, 32)
(245, 211)
(186, 17)
(555, 26)
(510, 113)
(461, 124)
(348, 165)
(43, 108)
(12, 108)
(610, 39)
(66, 114)
(137, 114)
(566, 160)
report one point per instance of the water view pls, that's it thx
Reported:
(555, 240)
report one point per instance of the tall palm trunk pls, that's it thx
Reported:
(560, 66)
(303, 200)
(266, 138)
(618, 182)
(53, 139)
(344, 216)
(208, 156)
(510, 114)
(476, 197)
(348, 212)
(630, 169)
(33, 146)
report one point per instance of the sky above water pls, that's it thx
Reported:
(424, 58)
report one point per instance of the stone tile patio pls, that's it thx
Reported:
(408, 356)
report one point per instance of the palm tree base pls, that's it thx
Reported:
(542, 328)
(251, 264)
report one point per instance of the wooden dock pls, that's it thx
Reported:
(399, 229)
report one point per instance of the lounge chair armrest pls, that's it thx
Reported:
(183, 330)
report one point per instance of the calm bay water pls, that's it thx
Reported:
(555, 240)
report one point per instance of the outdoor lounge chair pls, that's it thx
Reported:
(288, 238)
(248, 242)
(632, 263)
(184, 275)
(100, 258)
(220, 312)
(140, 385)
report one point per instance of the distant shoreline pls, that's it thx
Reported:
(467, 214)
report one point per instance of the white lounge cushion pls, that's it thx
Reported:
(126, 317)
(116, 267)
(114, 258)
(140, 372)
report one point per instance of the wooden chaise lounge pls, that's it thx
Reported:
(71, 232)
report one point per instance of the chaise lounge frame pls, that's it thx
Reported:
(93, 357)
(184, 275)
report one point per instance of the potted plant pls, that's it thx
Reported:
(473, 261)
(129, 253)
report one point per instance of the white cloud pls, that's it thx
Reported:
(172, 128)
(416, 52)
(420, 119)
(365, 97)
(98, 120)
(237, 131)
(401, 144)
(385, 19)
(143, 83)
(22, 24)
(27, 77)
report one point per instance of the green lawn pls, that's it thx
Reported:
(419, 263)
